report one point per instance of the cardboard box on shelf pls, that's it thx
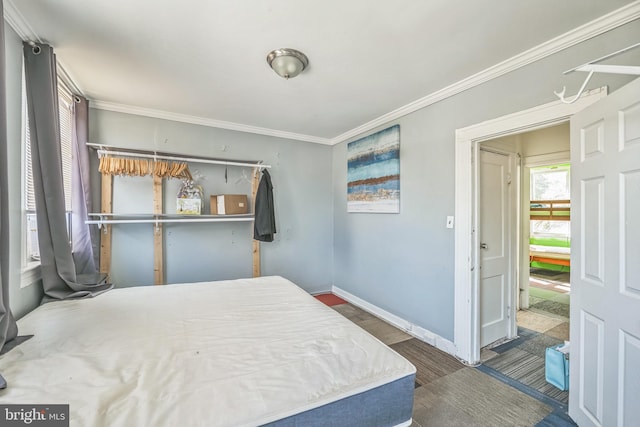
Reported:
(229, 204)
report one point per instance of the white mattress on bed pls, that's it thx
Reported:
(238, 352)
(555, 252)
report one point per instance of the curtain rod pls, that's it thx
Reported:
(106, 150)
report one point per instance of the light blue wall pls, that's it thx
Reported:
(404, 263)
(301, 175)
(25, 299)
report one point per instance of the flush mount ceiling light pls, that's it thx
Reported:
(287, 63)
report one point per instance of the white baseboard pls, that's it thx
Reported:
(400, 323)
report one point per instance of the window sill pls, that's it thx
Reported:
(30, 274)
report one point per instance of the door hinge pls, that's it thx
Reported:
(509, 179)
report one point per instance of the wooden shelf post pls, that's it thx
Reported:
(158, 233)
(255, 243)
(106, 203)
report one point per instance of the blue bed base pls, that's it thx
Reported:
(384, 406)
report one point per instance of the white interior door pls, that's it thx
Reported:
(605, 261)
(495, 247)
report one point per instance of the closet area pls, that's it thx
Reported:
(162, 173)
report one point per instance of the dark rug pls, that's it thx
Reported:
(523, 359)
(544, 272)
(552, 307)
(524, 335)
(558, 418)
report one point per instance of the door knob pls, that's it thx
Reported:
(484, 246)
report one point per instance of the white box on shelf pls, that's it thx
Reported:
(189, 206)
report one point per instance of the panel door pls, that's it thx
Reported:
(605, 261)
(495, 247)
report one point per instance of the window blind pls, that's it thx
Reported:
(29, 195)
(65, 111)
(65, 105)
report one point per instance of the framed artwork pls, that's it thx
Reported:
(373, 172)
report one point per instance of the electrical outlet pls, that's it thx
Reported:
(449, 222)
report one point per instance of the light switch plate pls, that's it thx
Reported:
(449, 222)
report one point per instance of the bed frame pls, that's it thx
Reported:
(550, 210)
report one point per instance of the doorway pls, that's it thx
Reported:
(466, 256)
(603, 162)
(550, 238)
(542, 278)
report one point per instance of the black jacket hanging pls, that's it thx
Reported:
(265, 219)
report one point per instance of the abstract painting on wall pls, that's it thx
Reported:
(373, 172)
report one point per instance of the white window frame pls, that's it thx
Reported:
(541, 170)
(538, 170)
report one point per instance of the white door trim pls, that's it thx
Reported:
(547, 159)
(466, 319)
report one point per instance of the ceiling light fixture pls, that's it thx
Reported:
(286, 62)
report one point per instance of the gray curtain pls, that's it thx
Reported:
(8, 327)
(84, 238)
(59, 277)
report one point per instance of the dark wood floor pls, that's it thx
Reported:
(447, 392)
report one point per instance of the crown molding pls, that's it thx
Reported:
(571, 38)
(14, 18)
(68, 79)
(19, 24)
(158, 114)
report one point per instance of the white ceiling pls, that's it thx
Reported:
(205, 59)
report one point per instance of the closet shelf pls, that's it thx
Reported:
(111, 218)
(106, 218)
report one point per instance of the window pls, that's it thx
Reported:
(31, 257)
(551, 183)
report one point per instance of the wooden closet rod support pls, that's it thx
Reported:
(123, 152)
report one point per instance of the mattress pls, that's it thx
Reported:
(549, 253)
(228, 353)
